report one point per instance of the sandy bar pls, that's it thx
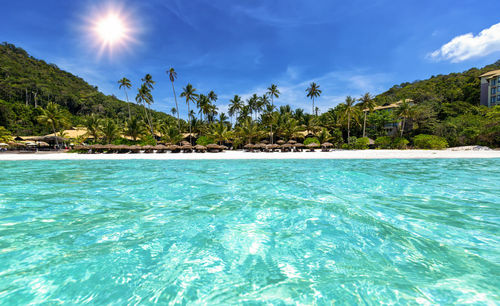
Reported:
(352, 154)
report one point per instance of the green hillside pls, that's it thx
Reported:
(26, 81)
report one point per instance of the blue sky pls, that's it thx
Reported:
(242, 46)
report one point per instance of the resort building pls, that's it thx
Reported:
(393, 128)
(490, 88)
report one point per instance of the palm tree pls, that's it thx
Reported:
(173, 75)
(235, 106)
(144, 97)
(248, 130)
(273, 92)
(53, 117)
(367, 104)
(134, 128)
(404, 111)
(313, 92)
(349, 112)
(171, 135)
(324, 135)
(173, 110)
(148, 80)
(109, 130)
(92, 124)
(252, 103)
(189, 92)
(125, 83)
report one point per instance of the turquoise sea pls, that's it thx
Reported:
(250, 232)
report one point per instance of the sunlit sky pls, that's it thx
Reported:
(242, 46)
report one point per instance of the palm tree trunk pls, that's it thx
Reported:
(54, 130)
(272, 104)
(402, 127)
(349, 129)
(128, 104)
(189, 114)
(364, 126)
(177, 107)
(313, 107)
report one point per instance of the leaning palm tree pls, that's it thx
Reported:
(404, 111)
(53, 117)
(273, 92)
(144, 97)
(313, 92)
(349, 112)
(367, 104)
(189, 92)
(172, 76)
(125, 83)
(235, 106)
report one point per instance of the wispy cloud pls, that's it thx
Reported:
(336, 85)
(468, 46)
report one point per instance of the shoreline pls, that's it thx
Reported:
(241, 155)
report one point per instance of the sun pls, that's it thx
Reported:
(111, 29)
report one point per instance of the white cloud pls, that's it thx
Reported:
(467, 46)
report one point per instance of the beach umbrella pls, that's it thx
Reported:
(280, 142)
(265, 141)
(292, 142)
(312, 146)
(200, 148)
(327, 145)
(183, 143)
(223, 147)
(174, 148)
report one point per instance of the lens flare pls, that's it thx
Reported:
(110, 29)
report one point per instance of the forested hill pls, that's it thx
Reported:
(449, 88)
(26, 81)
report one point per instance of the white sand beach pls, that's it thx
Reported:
(348, 154)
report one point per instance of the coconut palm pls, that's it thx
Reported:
(92, 124)
(148, 80)
(109, 130)
(248, 130)
(324, 135)
(189, 92)
(273, 92)
(171, 134)
(134, 128)
(144, 97)
(350, 112)
(125, 83)
(252, 104)
(203, 104)
(367, 104)
(313, 92)
(53, 117)
(235, 106)
(173, 110)
(172, 76)
(404, 111)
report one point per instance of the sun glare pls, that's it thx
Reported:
(110, 29)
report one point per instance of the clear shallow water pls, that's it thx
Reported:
(236, 232)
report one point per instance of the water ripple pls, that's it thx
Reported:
(258, 232)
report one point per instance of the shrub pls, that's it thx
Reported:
(147, 140)
(337, 139)
(424, 141)
(311, 140)
(399, 143)
(362, 143)
(384, 142)
(204, 140)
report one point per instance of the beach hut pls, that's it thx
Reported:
(325, 147)
(286, 147)
(174, 148)
(272, 147)
(213, 148)
(249, 147)
(200, 148)
(187, 148)
(312, 146)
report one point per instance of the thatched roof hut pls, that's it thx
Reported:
(174, 148)
(327, 145)
(187, 148)
(200, 148)
(280, 142)
(312, 146)
(291, 141)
